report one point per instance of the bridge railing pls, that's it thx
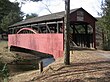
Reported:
(46, 43)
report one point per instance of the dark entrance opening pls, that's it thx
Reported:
(81, 34)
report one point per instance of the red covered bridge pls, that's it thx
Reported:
(45, 33)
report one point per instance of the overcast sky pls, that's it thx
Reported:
(91, 6)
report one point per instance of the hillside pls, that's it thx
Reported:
(86, 66)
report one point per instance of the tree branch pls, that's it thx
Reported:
(47, 7)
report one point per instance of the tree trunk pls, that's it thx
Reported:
(66, 33)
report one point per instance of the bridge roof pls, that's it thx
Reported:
(46, 18)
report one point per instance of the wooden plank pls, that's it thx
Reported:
(46, 43)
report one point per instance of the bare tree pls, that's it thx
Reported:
(47, 7)
(66, 30)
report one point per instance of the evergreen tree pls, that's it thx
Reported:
(31, 15)
(105, 23)
(10, 19)
(9, 14)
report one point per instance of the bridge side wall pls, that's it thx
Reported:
(46, 43)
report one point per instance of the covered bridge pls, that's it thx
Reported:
(45, 33)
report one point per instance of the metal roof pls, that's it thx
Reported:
(49, 17)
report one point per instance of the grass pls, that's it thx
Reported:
(3, 65)
(3, 45)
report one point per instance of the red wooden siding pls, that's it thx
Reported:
(46, 43)
(87, 17)
(73, 16)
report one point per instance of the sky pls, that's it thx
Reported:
(41, 8)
